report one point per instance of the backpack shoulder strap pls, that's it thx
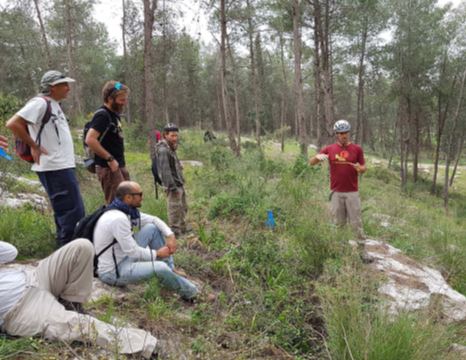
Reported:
(102, 110)
(46, 117)
(48, 110)
(106, 248)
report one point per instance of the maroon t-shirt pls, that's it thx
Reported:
(343, 176)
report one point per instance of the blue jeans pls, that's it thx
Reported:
(63, 191)
(132, 270)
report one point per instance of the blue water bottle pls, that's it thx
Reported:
(4, 155)
(270, 222)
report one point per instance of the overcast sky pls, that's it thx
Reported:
(194, 18)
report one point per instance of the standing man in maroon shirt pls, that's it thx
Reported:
(346, 163)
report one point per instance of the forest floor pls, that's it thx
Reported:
(297, 292)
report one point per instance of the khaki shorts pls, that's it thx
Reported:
(346, 209)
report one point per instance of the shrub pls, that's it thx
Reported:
(30, 231)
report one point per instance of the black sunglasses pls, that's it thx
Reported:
(139, 193)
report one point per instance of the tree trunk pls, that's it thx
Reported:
(165, 64)
(317, 85)
(442, 111)
(223, 71)
(457, 158)
(298, 79)
(126, 75)
(327, 73)
(404, 141)
(48, 58)
(148, 81)
(416, 146)
(76, 102)
(322, 41)
(361, 71)
(284, 102)
(236, 97)
(452, 141)
(257, 104)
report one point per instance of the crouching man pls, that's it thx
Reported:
(124, 258)
(42, 301)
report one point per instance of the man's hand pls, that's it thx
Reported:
(113, 165)
(36, 152)
(163, 252)
(359, 168)
(3, 142)
(321, 157)
(171, 243)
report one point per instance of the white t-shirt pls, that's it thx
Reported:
(12, 281)
(55, 138)
(115, 224)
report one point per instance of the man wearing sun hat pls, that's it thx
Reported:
(52, 151)
(346, 162)
(105, 139)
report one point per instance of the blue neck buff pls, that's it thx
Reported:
(133, 212)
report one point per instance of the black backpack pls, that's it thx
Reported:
(155, 170)
(89, 161)
(85, 229)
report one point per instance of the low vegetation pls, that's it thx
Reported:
(295, 291)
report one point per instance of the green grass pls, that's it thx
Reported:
(359, 328)
(298, 290)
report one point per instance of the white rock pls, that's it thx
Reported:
(192, 162)
(17, 200)
(410, 285)
(24, 180)
(460, 350)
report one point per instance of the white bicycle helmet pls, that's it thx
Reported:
(342, 126)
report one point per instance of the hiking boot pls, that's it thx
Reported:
(73, 306)
(191, 301)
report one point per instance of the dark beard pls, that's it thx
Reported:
(116, 108)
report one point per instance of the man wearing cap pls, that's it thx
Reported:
(53, 153)
(105, 139)
(171, 173)
(346, 162)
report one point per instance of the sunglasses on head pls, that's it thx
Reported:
(117, 87)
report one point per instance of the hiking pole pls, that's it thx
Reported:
(156, 191)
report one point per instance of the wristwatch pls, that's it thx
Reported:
(110, 158)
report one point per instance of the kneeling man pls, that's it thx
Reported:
(125, 258)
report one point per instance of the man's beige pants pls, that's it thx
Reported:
(177, 210)
(67, 273)
(346, 208)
